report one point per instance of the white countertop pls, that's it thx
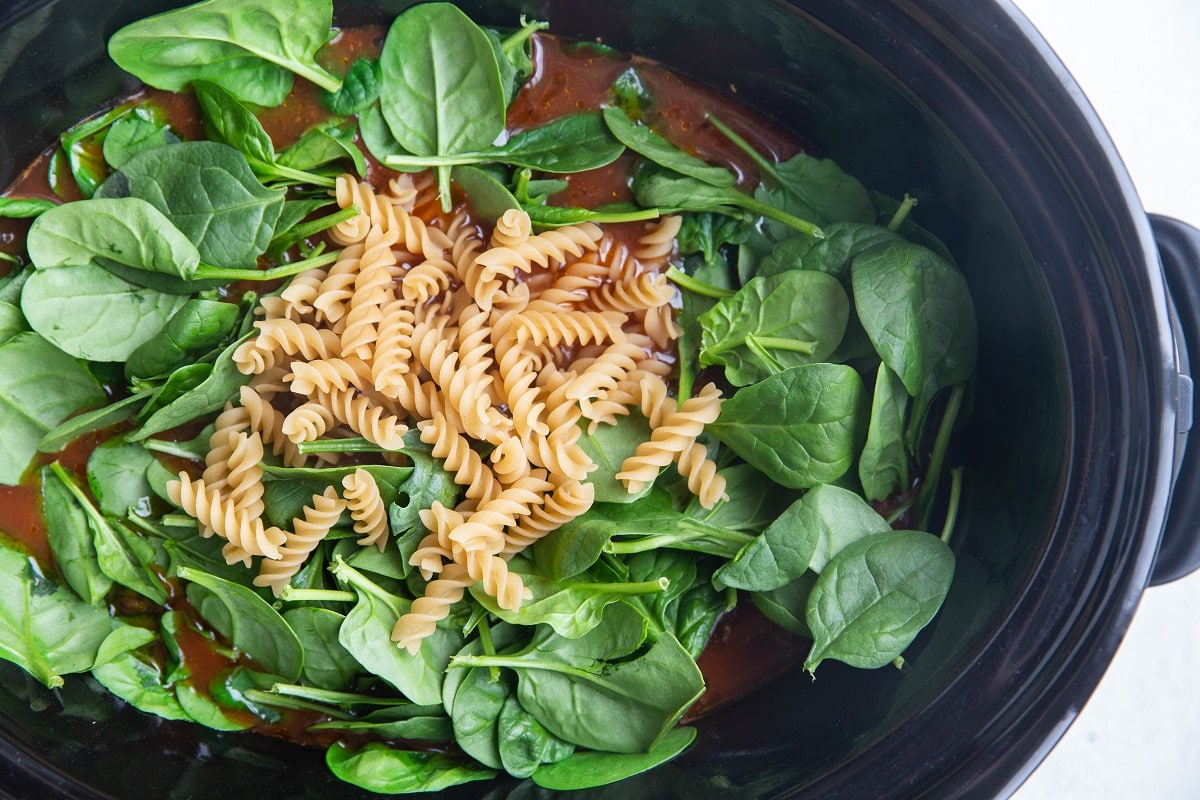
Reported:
(1139, 65)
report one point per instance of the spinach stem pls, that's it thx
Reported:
(762, 163)
(177, 521)
(489, 647)
(769, 361)
(657, 586)
(682, 279)
(314, 74)
(260, 697)
(714, 541)
(171, 449)
(291, 594)
(902, 212)
(455, 160)
(306, 229)
(330, 697)
(956, 480)
(207, 272)
(940, 444)
(780, 343)
(518, 38)
(299, 175)
(351, 445)
(758, 207)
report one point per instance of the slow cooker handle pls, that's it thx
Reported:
(1179, 249)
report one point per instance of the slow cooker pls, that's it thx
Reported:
(1074, 449)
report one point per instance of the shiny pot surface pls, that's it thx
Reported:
(1071, 447)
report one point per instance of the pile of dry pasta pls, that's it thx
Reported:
(496, 348)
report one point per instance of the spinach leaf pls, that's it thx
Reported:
(441, 90)
(525, 744)
(326, 663)
(12, 322)
(644, 141)
(843, 242)
(571, 607)
(883, 464)
(512, 56)
(800, 427)
(87, 312)
(74, 427)
(39, 387)
(116, 473)
(323, 145)
(217, 386)
(367, 635)
(24, 207)
(407, 721)
(377, 136)
(12, 283)
(359, 90)
(546, 216)
(250, 47)
(608, 447)
(798, 317)
(707, 233)
(811, 531)
(389, 479)
(479, 697)
(123, 230)
(587, 769)
(255, 627)
(787, 605)
(752, 505)
(133, 675)
(44, 628)
(657, 187)
(875, 596)
(71, 541)
(604, 690)
(132, 135)
(489, 197)
(209, 192)
(198, 705)
(917, 309)
(195, 328)
(428, 484)
(379, 768)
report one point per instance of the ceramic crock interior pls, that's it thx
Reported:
(950, 102)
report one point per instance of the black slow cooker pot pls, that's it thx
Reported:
(1076, 435)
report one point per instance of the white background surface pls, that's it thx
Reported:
(1139, 65)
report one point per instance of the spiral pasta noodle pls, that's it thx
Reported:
(676, 433)
(217, 513)
(366, 507)
(319, 518)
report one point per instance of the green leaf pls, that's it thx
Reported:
(804, 537)
(525, 744)
(585, 770)
(359, 90)
(326, 663)
(44, 628)
(24, 207)
(134, 676)
(125, 230)
(379, 768)
(883, 464)
(875, 596)
(773, 323)
(646, 142)
(133, 135)
(71, 541)
(210, 194)
(39, 387)
(800, 427)
(325, 144)
(787, 605)
(74, 427)
(818, 189)
(608, 447)
(256, 628)
(917, 309)
(77, 309)
(843, 242)
(116, 474)
(249, 47)
(489, 197)
(193, 330)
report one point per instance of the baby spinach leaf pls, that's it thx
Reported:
(441, 92)
(604, 690)
(209, 192)
(817, 189)
(255, 627)
(250, 47)
(608, 447)
(126, 671)
(707, 233)
(843, 242)
(407, 721)
(875, 596)
(557, 216)
(326, 663)
(71, 540)
(125, 230)
(12, 322)
(116, 474)
(512, 56)
(217, 386)
(883, 464)
(377, 137)
(571, 607)
(379, 768)
(479, 697)
(133, 135)
(805, 536)
(787, 605)
(655, 186)
(323, 145)
(24, 207)
(44, 628)
(917, 309)
(525, 744)
(587, 769)
(753, 503)
(798, 317)
(195, 328)
(12, 283)
(76, 309)
(489, 197)
(74, 427)
(643, 140)
(800, 427)
(367, 635)
(39, 387)
(360, 89)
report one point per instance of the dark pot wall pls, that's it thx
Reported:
(1065, 449)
